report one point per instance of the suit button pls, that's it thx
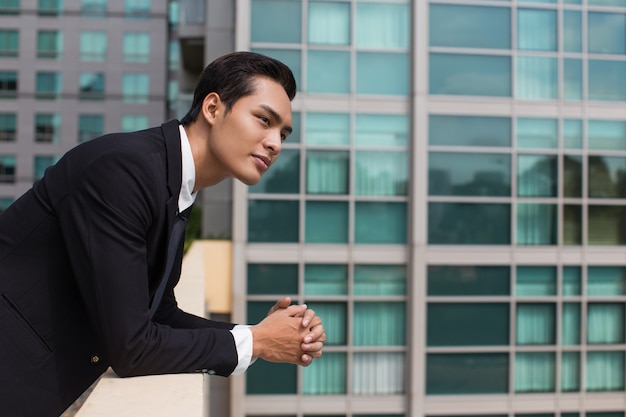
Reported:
(95, 359)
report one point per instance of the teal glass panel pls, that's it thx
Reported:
(572, 176)
(296, 124)
(272, 279)
(469, 224)
(262, 215)
(327, 377)
(329, 23)
(535, 281)
(470, 26)
(606, 135)
(325, 279)
(380, 280)
(335, 320)
(604, 371)
(327, 129)
(536, 224)
(572, 280)
(536, 30)
(257, 311)
(604, 225)
(535, 372)
(328, 72)
(469, 174)
(605, 323)
(41, 163)
(276, 21)
(381, 173)
(284, 378)
(607, 80)
(606, 176)
(618, 3)
(570, 328)
(326, 222)
(381, 130)
(467, 373)
(380, 223)
(607, 33)
(48, 84)
(539, 133)
(469, 131)
(606, 281)
(382, 73)
(49, 44)
(572, 133)
(536, 78)
(379, 324)
(572, 224)
(283, 176)
(5, 202)
(570, 374)
(8, 127)
(535, 324)
(9, 42)
(290, 57)
(378, 373)
(572, 79)
(467, 324)
(470, 75)
(446, 280)
(383, 25)
(327, 172)
(7, 169)
(537, 175)
(572, 31)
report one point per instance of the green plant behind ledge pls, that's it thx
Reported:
(193, 230)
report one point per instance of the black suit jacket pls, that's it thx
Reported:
(81, 255)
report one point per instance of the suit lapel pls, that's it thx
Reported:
(171, 135)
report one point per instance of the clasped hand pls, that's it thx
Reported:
(289, 333)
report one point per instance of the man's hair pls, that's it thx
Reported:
(232, 77)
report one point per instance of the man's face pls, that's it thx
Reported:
(247, 140)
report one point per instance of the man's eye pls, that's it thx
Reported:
(264, 120)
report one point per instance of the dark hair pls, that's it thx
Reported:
(232, 77)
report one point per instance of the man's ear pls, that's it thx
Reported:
(211, 107)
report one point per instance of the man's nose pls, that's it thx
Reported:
(274, 142)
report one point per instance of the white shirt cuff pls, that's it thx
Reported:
(243, 342)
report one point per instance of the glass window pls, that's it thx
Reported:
(467, 373)
(8, 84)
(382, 73)
(7, 169)
(327, 172)
(572, 277)
(537, 78)
(335, 320)
(41, 164)
(381, 130)
(379, 280)
(49, 44)
(276, 21)
(537, 133)
(473, 75)
(390, 220)
(326, 280)
(8, 127)
(572, 224)
(93, 8)
(378, 373)
(327, 129)
(381, 173)
(468, 280)
(572, 133)
(605, 323)
(49, 7)
(537, 175)
(284, 175)
(93, 46)
(133, 122)
(173, 55)
(606, 281)
(467, 324)
(469, 224)
(326, 222)
(607, 33)
(291, 58)
(328, 72)
(9, 7)
(329, 23)
(90, 126)
(535, 281)
(136, 47)
(469, 174)
(47, 128)
(535, 372)
(570, 330)
(135, 88)
(261, 227)
(5, 202)
(137, 8)
(536, 224)
(470, 26)
(572, 31)
(284, 378)
(606, 135)
(605, 225)
(605, 371)
(536, 30)
(572, 176)
(48, 85)
(91, 86)
(272, 279)
(618, 3)
(606, 176)
(9, 43)
(379, 324)
(469, 131)
(382, 26)
(607, 80)
(327, 377)
(535, 324)
(572, 79)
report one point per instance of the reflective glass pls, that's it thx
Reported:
(136, 46)
(382, 26)
(605, 323)
(328, 72)
(618, 3)
(468, 280)
(469, 131)
(604, 371)
(536, 30)
(284, 379)
(379, 324)
(135, 88)
(535, 324)
(572, 134)
(474, 75)
(90, 126)
(381, 130)
(261, 221)
(49, 43)
(537, 175)
(607, 33)
(390, 220)
(327, 377)
(325, 279)
(605, 225)
(382, 73)
(535, 281)
(283, 177)
(335, 321)
(606, 135)
(133, 122)
(379, 280)
(378, 373)
(467, 324)
(536, 224)
(572, 79)
(469, 224)
(572, 176)
(41, 163)
(607, 80)
(537, 133)
(467, 373)
(570, 328)
(572, 224)
(606, 176)
(327, 172)
(272, 279)
(329, 23)
(381, 173)
(291, 58)
(535, 372)
(606, 281)
(470, 26)
(7, 169)
(572, 31)
(93, 46)
(469, 174)
(276, 21)
(327, 129)
(572, 276)
(536, 78)
(326, 222)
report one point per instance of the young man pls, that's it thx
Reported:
(89, 257)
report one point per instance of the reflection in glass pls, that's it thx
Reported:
(535, 281)
(284, 175)
(381, 173)
(328, 71)
(261, 221)
(572, 31)
(570, 330)
(382, 73)
(536, 30)
(536, 224)
(606, 281)
(535, 372)
(606, 176)
(381, 129)
(572, 79)
(327, 172)
(382, 26)
(535, 132)
(607, 33)
(605, 225)
(272, 279)
(473, 75)
(572, 176)
(537, 176)
(536, 78)
(444, 130)
(606, 134)
(467, 324)
(276, 21)
(329, 23)
(467, 373)
(379, 280)
(607, 80)
(325, 279)
(468, 280)
(572, 276)
(326, 222)
(572, 224)
(327, 129)
(469, 224)
(380, 223)
(572, 133)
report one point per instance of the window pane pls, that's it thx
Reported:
(42, 163)
(335, 321)
(381, 173)
(379, 280)
(379, 324)
(381, 130)
(382, 73)
(604, 371)
(328, 72)
(536, 224)
(537, 78)
(606, 281)
(329, 23)
(572, 31)
(276, 21)
(607, 33)
(572, 277)
(470, 26)
(606, 134)
(535, 372)
(570, 373)
(537, 133)
(382, 26)
(284, 175)
(261, 224)
(607, 80)
(477, 75)
(378, 374)
(8, 127)
(572, 133)
(390, 220)
(535, 281)
(606, 176)
(469, 224)
(326, 222)
(605, 225)
(469, 131)
(327, 172)
(535, 324)
(467, 373)
(325, 280)
(327, 377)
(283, 381)
(7, 169)
(9, 43)
(537, 176)
(133, 122)
(536, 30)
(572, 176)
(605, 323)
(572, 79)
(327, 129)
(468, 280)
(272, 279)
(570, 332)
(467, 324)
(469, 174)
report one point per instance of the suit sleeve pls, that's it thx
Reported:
(106, 219)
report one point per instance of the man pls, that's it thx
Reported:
(89, 257)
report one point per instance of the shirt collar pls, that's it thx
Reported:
(186, 197)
